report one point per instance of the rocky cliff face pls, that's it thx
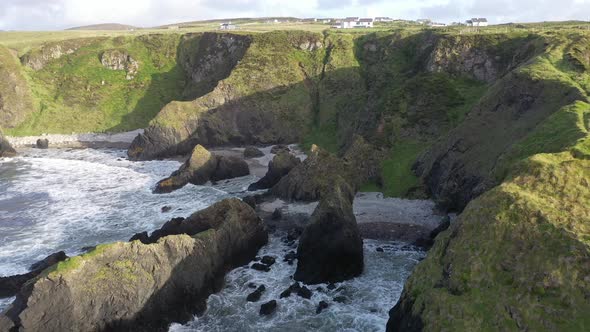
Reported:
(37, 59)
(513, 260)
(264, 100)
(123, 286)
(15, 96)
(114, 59)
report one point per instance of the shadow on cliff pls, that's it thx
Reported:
(192, 54)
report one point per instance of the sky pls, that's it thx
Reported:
(60, 14)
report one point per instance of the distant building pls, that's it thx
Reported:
(436, 24)
(478, 22)
(327, 20)
(365, 23)
(424, 21)
(383, 19)
(355, 22)
(227, 26)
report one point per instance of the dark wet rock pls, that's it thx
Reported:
(290, 257)
(268, 308)
(277, 214)
(268, 260)
(379, 249)
(166, 209)
(340, 299)
(278, 167)
(6, 150)
(250, 200)
(331, 248)
(304, 292)
(331, 286)
(203, 166)
(42, 143)
(252, 152)
(255, 295)
(9, 286)
(445, 223)
(251, 285)
(321, 306)
(285, 293)
(279, 148)
(294, 288)
(127, 286)
(143, 237)
(260, 267)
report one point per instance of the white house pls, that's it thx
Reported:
(349, 22)
(478, 22)
(227, 26)
(436, 24)
(355, 22)
(383, 19)
(364, 23)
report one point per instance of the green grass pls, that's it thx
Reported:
(397, 173)
(324, 137)
(77, 94)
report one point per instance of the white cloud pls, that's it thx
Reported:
(59, 14)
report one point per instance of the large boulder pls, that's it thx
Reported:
(42, 143)
(252, 152)
(314, 177)
(331, 248)
(6, 150)
(203, 166)
(127, 286)
(10, 285)
(365, 160)
(278, 167)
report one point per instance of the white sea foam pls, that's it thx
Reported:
(59, 199)
(369, 297)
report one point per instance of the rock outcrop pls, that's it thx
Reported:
(365, 160)
(115, 59)
(252, 152)
(9, 286)
(6, 150)
(42, 143)
(201, 167)
(331, 248)
(314, 177)
(279, 166)
(37, 59)
(513, 260)
(134, 286)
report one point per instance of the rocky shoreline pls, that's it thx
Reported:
(118, 258)
(82, 140)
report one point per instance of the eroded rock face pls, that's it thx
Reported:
(6, 150)
(331, 248)
(461, 166)
(134, 286)
(39, 58)
(203, 166)
(120, 60)
(279, 166)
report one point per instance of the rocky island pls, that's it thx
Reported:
(262, 145)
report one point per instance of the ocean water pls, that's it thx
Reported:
(69, 199)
